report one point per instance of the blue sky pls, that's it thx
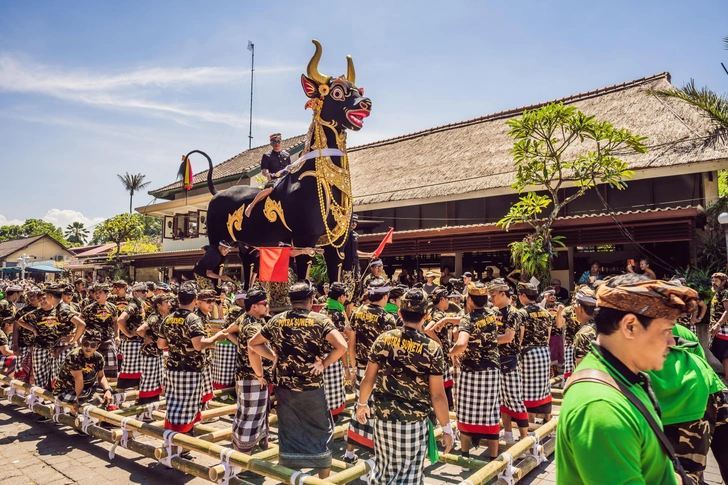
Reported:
(92, 89)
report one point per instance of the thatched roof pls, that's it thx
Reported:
(239, 164)
(474, 156)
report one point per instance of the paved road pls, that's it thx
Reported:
(33, 453)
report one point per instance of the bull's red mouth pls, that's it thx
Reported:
(357, 117)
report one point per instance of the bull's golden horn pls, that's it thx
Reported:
(350, 72)
(312, 70)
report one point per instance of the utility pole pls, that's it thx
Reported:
(251, 48)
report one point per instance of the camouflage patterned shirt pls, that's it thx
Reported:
(26, 336)
(3, 339)
(298, 338)
(510, 318)
(51, 324)
(178, 329)
(537, 323)
(7, 310)
(406, 358)
(120, 302)
(339, 320)
(585, 336)
(482, 352)
(137, 314)
(717, 309)
(444, 333)
(232, 315)
(369, 322)
(101, 318)
(571, 324)
(209, 331)
(248, 326)
(149, 348)
(75, 361)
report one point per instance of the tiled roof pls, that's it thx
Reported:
(9, 247)
(239, 164)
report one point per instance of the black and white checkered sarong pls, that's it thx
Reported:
(447, 376)
(42, 367)
(223, 365)
(568, 360)
(250, 424)
(536, 377)
(24, 366)
(94, 393)
(150, 384)
(131, 362)
(478, 402)
(58, 361)
(184, 399)
(334, 387)
(111, 359)
(361, 434)
(399, 452)
(512, 394)
(207, 390)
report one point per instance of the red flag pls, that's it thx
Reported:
(387, 240)
(274, 264)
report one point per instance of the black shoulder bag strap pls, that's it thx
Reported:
(600, 377)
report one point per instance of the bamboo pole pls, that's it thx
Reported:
(497, 465)
(469, 463)
(241, 460)
(146, 450)
(526, 465)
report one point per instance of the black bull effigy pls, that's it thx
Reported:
(312, 205)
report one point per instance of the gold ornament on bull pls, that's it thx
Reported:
(328, 174)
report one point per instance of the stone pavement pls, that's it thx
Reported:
(43, 453)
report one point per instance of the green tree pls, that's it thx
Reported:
(119, 229)
(557, 145)
(76, 233)
(132, 183)
(152, 226)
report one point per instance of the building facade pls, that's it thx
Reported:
(443, 189)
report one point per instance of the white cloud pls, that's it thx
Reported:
(27, 76)
(124, 91)
(4, 221)
(64, 217)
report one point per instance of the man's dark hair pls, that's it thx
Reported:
(186, 298)
(479, 301)
(647, 261)
(375, 297)
(607, 319)
(588, 309)
(411, 317)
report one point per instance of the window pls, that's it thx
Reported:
(185, 226)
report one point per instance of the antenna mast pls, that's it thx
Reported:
(251, 48)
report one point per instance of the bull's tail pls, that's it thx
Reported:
(210, 185)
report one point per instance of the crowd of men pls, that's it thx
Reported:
(641, 404)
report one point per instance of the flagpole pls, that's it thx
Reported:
(251, 48)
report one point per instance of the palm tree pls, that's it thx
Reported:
(76, 233)
(132, 183)
(710, 103)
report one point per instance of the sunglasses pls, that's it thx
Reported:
(143, 291)
(208, 300)
(91, 345)
(275, 143)
(264, 302)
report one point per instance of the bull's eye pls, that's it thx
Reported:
(337, 93)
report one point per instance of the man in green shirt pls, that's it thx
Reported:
(602, 436)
